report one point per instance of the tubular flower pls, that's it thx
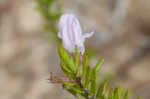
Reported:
(71, 34)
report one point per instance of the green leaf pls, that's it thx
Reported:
(116, 96)
(67, 71)
(70, 84)
(66, 59)
(67, 63)
(85, 64)
(103, 97)
(93, 81)
(74, 89)
(119, 89)
(97, 66)
(111, 94)
(126, 94)
(94, 76)
(87, 78)
(76, 58)
(101, 90)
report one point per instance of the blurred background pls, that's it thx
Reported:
(27, 56)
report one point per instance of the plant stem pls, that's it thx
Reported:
(78, 81)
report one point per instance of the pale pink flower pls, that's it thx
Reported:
(71, 34)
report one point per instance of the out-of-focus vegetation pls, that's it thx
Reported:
(51, 14)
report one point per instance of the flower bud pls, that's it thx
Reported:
(71, 34)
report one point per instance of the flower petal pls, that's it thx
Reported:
(87, 35)
(71, 34)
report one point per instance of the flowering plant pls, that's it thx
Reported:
(81, 80)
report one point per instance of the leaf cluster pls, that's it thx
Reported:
(84, 82)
